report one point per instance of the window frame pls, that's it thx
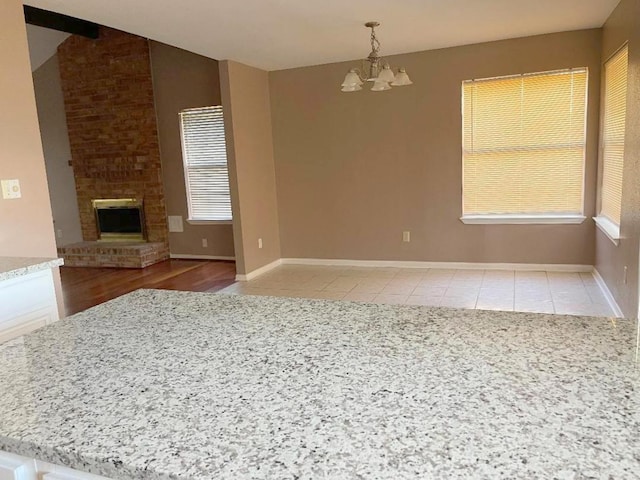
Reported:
(609, 227)
(190, 219)
(527, 218)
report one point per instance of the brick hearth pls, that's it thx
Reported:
(113, 254)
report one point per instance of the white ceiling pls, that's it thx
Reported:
(43, 43)
(279, 34)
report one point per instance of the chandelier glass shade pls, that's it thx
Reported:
(376, 71)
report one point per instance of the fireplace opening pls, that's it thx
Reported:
(119, 219)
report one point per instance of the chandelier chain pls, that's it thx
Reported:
(375, 43)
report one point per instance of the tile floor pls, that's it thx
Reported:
(507, 290)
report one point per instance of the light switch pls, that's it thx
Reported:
(11, 189)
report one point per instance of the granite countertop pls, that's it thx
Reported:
(179, 385)
(11, 267)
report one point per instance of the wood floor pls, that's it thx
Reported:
(85, 287)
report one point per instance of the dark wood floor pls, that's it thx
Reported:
(85, 287)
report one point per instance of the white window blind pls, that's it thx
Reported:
(524, 144)
(205, 163)
(612, 135)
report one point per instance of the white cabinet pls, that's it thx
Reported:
(27, 302)
(14, 467)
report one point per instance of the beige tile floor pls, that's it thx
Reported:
(506, 290)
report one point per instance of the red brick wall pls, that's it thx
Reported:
(108, 96)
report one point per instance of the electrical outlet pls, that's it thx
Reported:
(205, 243)
(259, 243)
(406, 237)
(624, 278)
(59, 233)
(11, 189)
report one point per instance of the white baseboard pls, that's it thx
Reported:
(186, 256)
(258, 271)
(607, 294)
(552, 267)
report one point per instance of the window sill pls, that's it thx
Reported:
(522, 219)
(610, 229)
(209, 222)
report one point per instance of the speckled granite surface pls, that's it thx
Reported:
(11, 267)
(159, 385)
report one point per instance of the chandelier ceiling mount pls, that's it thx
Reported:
(377, 70)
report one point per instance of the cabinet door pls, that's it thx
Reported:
(28, 302)
(21, 295)
(13, 467)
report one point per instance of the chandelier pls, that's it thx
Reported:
(376, 71)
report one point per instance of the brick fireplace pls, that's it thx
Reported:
(111, 119)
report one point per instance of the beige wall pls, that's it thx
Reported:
(57, 153)
(624, 26)
(245, 98)
(355, 170)
(182, 80)
(26, 224)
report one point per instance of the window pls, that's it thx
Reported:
(205, 164)
(612, 143)
(524, 148)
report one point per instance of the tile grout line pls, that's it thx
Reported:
(553, 302)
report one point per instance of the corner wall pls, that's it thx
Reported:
(247, 120)
(57, 152)
(183, 80)
(355, 170)
(624, 26)
(26, 224)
